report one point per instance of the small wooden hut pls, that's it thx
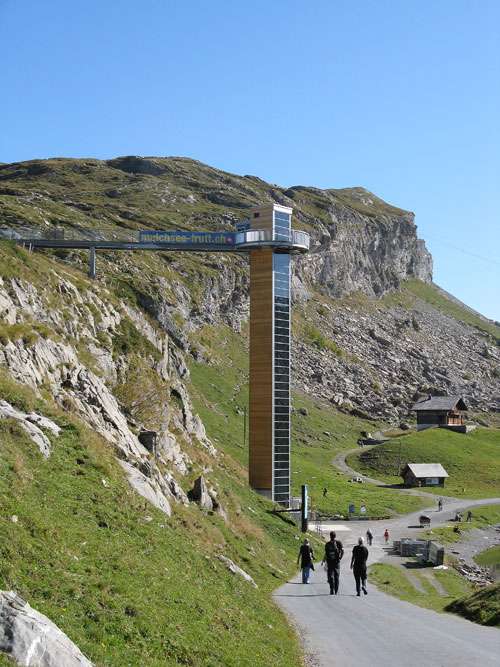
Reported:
(428, 474)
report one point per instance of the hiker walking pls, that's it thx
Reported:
(334, 552)
(386, 536)
(369, 537)
(325, 491)
(358, 566)
(306, 554)
(440, 504)
(469, 515)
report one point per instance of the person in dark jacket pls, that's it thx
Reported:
(334, 552)
(306, 554)
(358, 566)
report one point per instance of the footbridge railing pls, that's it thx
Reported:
(244, 241)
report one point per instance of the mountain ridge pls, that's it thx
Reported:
(360, 245)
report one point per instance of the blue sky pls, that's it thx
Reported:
(401, 97)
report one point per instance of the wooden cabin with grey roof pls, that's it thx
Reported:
(424, 474)
(442, 411)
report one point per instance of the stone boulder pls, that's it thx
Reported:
(199, 493)
(234, 569)
(31, 639)
(146, 487)
(29, 423)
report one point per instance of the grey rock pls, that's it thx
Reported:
(199, 493)
(234, 569)
(146, 487)
(28, 423)
(31, 639)
(135, 164)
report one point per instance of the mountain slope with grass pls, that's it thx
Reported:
(481, 607)
(127, 583)
(372, 332)
(133, 560)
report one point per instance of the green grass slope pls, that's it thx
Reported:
(472, 461)
(391, 580)
(127, 583)
(481, 607)
(220, 393)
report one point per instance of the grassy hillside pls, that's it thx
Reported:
(127, 583)
(220, 393)
(481, 607)
(472, 461)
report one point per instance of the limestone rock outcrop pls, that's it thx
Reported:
(31, 423)
(33, 640)
(53, 362)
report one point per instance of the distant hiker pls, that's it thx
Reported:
(358, 566)
(440, 504)
(369, 537)
(334, 552)
(306, 554)
(386, 536)
(456, 529)
(324, 492)
(469, 515)
(458, 516)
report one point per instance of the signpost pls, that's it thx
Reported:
(304, 508)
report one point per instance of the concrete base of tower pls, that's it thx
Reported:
(267, 493)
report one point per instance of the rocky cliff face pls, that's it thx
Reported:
(359, 241)
(371, 336)
(66, 340)
(356, 248)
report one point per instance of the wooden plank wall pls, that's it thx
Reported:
(265, 219)
(261, 369)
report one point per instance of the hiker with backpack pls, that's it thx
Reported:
(334, 552)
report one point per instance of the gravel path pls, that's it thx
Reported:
(340, 462)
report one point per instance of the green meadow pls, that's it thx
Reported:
(472, 461)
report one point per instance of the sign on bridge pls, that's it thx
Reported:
(187, 238)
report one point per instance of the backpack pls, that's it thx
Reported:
(332, 552)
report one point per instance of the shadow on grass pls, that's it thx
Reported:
(414, 565)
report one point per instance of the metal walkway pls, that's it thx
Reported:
(292, 242)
